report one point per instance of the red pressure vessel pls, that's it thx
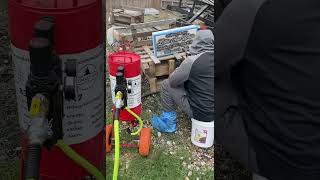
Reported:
(78, 34)
(132, 64)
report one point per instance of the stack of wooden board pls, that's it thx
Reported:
(157, 69)
(124, 16)
(137, 3)
(165, 3)
(144, 39)
(140, 34)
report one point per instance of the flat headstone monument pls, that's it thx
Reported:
(172, 41)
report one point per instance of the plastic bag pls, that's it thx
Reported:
(166, 122)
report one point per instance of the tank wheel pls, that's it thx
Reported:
(108, 138)
(145, 142)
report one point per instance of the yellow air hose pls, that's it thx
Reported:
(138, 118)
(117, 136)
(116, 149)
(80, 160)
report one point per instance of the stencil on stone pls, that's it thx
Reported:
(173, 41)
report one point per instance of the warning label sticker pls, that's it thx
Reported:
(84, 116)
(134, 98)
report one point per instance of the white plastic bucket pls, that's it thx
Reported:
(202, 133)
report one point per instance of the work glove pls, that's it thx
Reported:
(166, 122)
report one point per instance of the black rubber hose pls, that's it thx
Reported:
(32, 164)
(117, 114)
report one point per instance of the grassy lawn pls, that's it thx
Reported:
(158, 166)
(172, 157)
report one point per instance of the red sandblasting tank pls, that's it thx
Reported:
(132, 64)
(78, 34)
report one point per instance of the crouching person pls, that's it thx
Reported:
(190, 87)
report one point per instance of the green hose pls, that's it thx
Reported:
(117, 141)
(80, 160)
(138, 118)
(117, 149)
(116, 132)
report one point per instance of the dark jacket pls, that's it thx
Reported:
(219, 6)
(267, 63)
(196, 75)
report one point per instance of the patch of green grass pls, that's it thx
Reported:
(157, 166)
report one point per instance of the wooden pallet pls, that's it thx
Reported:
(144, 35)
(165, 3)
(155, 84)
(127, 17)
(157, 69)
(140, 34)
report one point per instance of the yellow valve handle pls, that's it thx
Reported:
(39, 106)
(35, 106)
(119, 95)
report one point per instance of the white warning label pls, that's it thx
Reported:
(84, 116)
(134, 98)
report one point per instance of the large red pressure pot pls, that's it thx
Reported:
(78, 35)
(131, 63)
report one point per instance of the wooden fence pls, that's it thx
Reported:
(138, 3)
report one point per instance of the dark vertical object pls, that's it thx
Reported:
(192, 9)
(198, 14)
(230, 45)
(219, 6)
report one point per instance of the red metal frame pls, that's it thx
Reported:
(125, 145)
